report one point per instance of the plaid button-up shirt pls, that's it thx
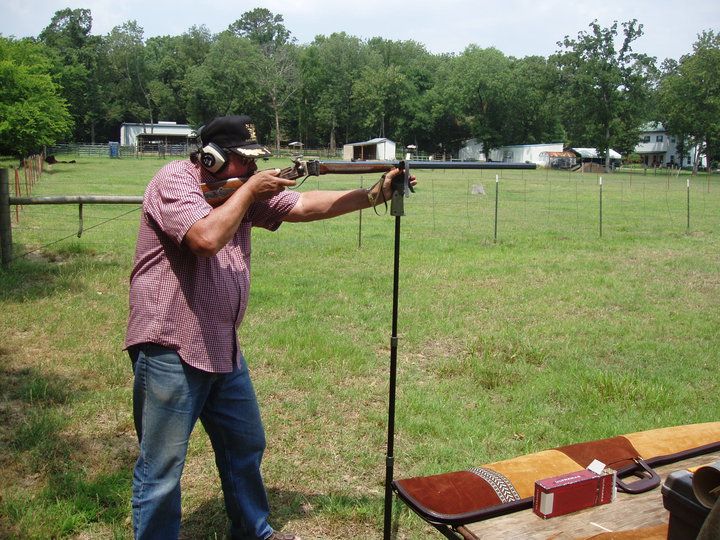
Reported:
(181, 301)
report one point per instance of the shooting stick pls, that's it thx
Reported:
(400, 190)
(400, 184)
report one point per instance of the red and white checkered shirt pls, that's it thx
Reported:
(181, 301)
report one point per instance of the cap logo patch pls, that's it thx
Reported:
(251, 131)
(253, 152)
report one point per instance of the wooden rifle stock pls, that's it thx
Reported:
(218, 192)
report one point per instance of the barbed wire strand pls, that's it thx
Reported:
(45, 246)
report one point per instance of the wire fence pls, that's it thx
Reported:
(479, 205)
(147, 150)
(510, 205)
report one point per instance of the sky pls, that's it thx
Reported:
(516, 27)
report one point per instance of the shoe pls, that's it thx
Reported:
(283, 536)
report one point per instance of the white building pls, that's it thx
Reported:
(591, 154)
(657, 148)
(516, 153)
(381, 149)
(161, 134)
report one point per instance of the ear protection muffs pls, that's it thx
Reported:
(212, 157)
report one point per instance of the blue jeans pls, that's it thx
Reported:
(168, 398)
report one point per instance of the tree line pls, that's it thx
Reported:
(70, 85)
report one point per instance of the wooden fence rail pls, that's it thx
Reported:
(6, 201)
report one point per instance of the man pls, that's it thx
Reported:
(188, 292)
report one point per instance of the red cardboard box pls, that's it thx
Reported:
(574, 491)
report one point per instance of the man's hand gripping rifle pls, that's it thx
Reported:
(217, 192)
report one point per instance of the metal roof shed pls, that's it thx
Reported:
(380, 148)
(167, 133)
(592, 154)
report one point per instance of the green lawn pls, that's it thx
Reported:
(546, 335)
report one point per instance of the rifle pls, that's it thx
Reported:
(216, 193)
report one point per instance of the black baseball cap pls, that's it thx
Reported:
(234, 133)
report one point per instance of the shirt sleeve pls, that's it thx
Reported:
(269, 214)
(175, 201)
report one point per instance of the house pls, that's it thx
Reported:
(575, 158)
(658, 148)
(169, 135)
(516, 153)
(524, 153)
(380, 148)
(544, 155)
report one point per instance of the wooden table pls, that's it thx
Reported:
(626, 513)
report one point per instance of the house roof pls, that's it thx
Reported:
(592, 153)
(371, 141)
(161, 128)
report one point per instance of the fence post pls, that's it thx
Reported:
(497, 195)
(17, 194)
(601, 201)
(5, 227)
(360, 214)
(688, 205)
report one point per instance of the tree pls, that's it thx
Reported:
(478, 86)
(132, 98)
(689, 97)
(32, 112)
(605, 89)
(330, 65)
(262, 27)
(168, 59)
(276, 69)
(532, 113)
(68, 29)
(407, 72)
(76, 58)
(379, 95)
(224, 83)
(437, 123)
(501, 100)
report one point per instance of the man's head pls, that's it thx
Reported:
(228, 134)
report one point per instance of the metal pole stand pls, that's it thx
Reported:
(400, 189)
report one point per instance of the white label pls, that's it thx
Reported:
(546, 503)
(597, 467)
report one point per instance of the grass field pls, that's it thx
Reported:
(543, 334)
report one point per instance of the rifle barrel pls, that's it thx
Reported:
(431, 164)
(355, 167)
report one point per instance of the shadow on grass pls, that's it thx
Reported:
(54, 480)
(209, 520)
(29, 416)
(39, 274)
(58, 482)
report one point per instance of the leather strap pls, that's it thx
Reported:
(649, 479)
